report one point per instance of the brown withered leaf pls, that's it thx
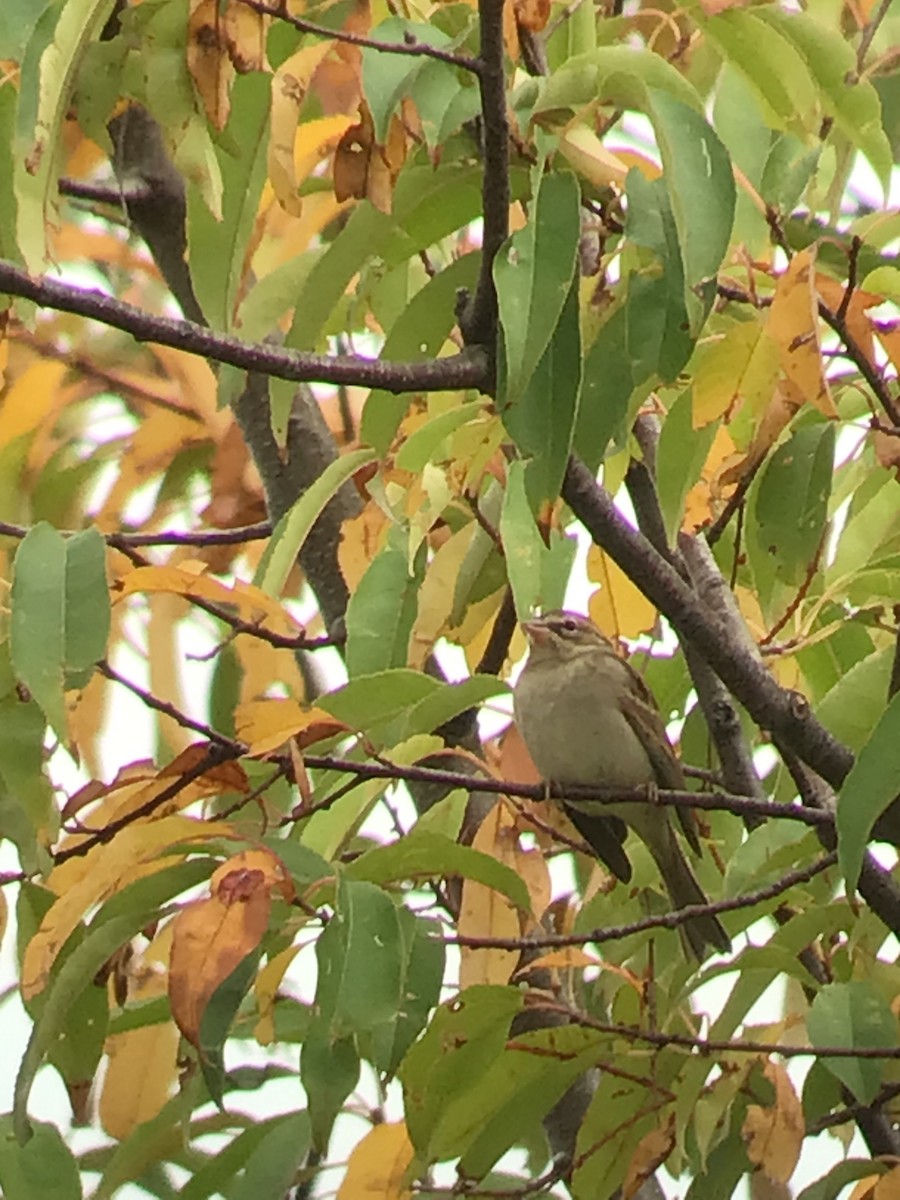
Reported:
(351, 160)
(365, 170)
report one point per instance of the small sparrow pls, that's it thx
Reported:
(588, 718)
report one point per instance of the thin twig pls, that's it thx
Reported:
(672, 920)
(411, 47)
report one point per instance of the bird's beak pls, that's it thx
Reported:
(537, 634)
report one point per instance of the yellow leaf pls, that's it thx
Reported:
(888, 1186)
(245, 38)
(362, 537)
(268, 981)
(794, 325)
(107, 869)
(142, 1064)
(252, 603)
(741, 365)
(709, 492)
(652, 1150)
(570, 958)
(619, 608)
(485, 912)
(290, 84)
(774, 1136)
(210, 938)
(583, 150)
(436, 595)
(267, 724)
(30, 400)
(378, 1164)
(208, 61)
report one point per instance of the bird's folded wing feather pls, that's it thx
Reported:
(605, 836)
(644, 719)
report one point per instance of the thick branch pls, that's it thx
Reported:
(770, 706)
(480, 322)
(466, 370)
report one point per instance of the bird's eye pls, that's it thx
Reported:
(569, 625)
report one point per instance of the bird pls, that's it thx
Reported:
(587, 718)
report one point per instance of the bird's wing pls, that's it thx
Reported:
(605, 836)
(643, 716)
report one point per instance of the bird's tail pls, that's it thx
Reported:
(700, 931)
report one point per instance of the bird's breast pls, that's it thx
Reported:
(576, 732)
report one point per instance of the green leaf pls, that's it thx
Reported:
(657, 332)
(616, 75)
(217, 248)
(699, 179)
(361, 959)
(521, 1088)
(383, 608)
(830, 1186)
(523, 545)
(293, 528)
(28, 810)
(771, 64)
(387, 1043)
(606, 389)
(329, 1070)
(410, 701)
(60, 617)
(37, 634)
(853, 1016)
(387, 78)
(76, 973)
(42, 1166)
(221, 1168)
(87, 605)
(542, 422)
(533, 273)
(59, 39)
(791, 503)
(272, 1164)
(419, 333)
(427, 442)
(680, 458)
(856, 108)
(464, 1042)
(215, 1023)
(424, 855)
(872, 784)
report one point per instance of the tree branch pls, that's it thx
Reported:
(770, 706)
(479, 323)
(466, 370)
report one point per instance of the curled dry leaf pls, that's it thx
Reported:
(365, 170)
